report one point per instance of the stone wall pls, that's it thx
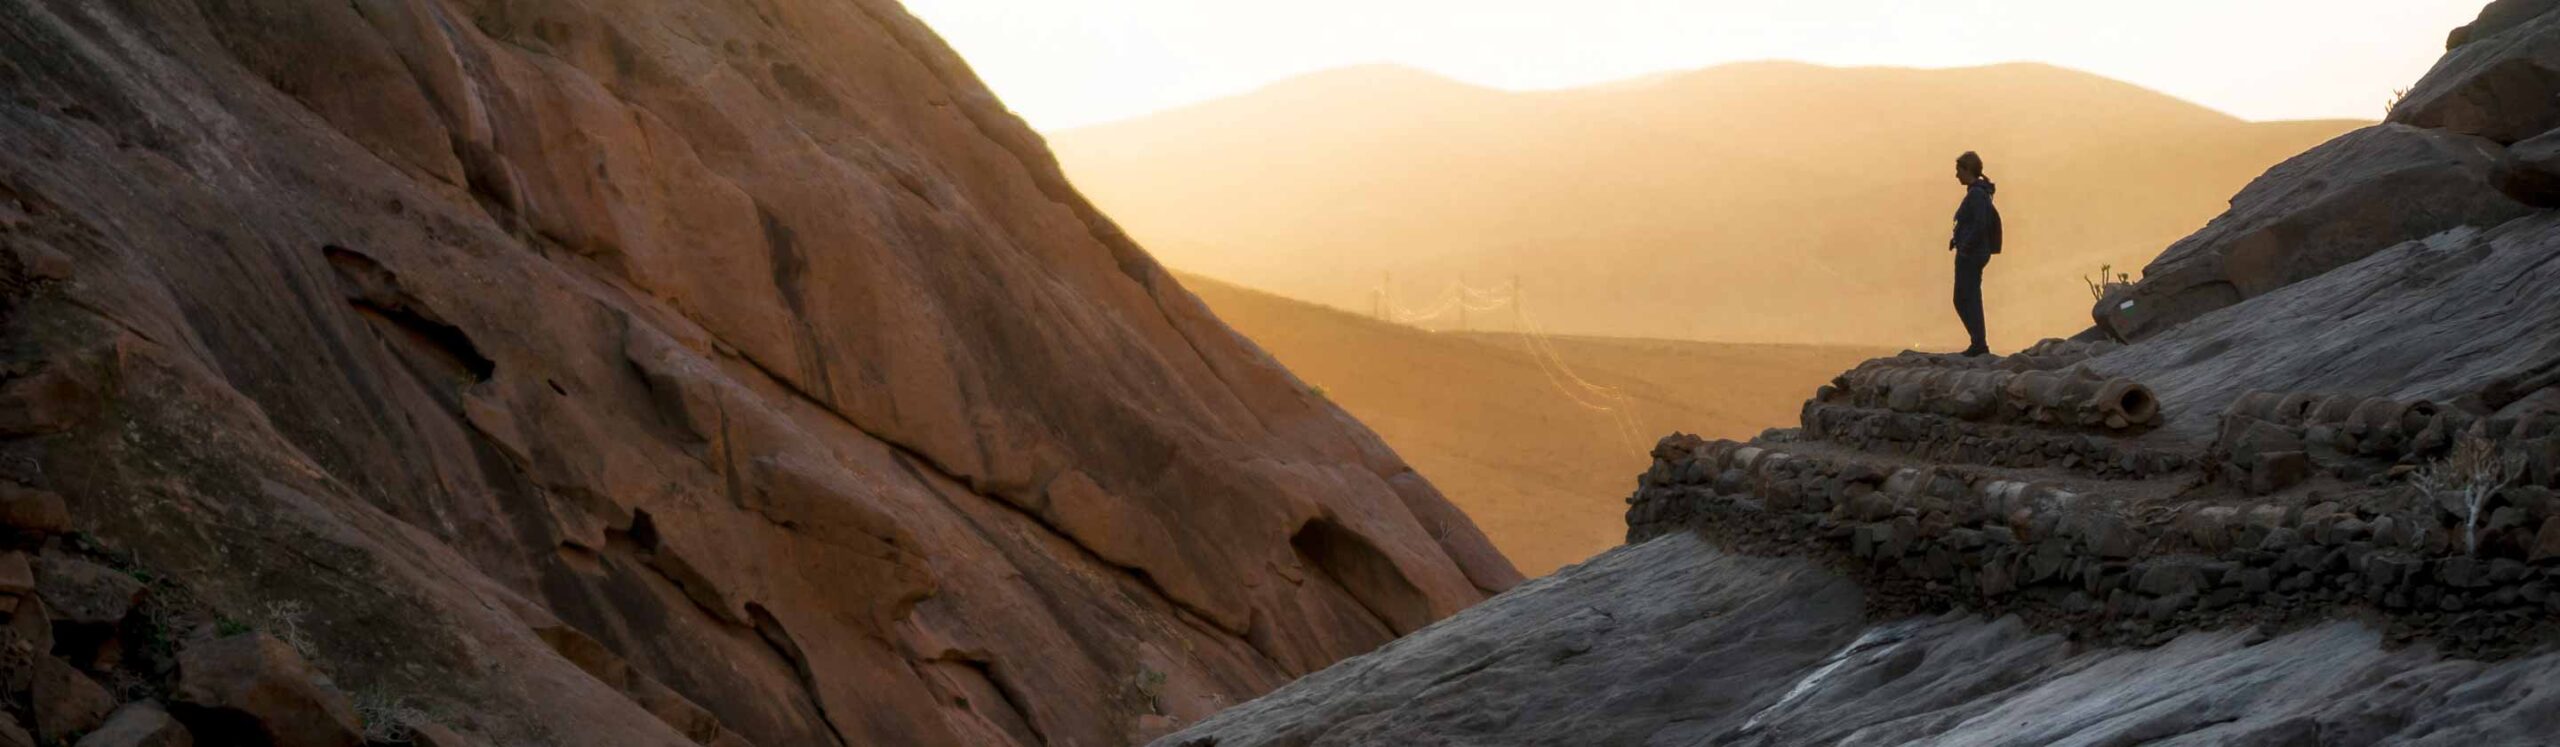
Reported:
(1944, 439)
(2272, 440)
(2073, 397)
(1959, 535)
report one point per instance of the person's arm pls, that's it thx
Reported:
(1968, 222)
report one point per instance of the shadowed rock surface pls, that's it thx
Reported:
(2340, 202)
(2344, 528)
(584, 372)
(1672, 642)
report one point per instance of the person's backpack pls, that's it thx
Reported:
(1991, 228)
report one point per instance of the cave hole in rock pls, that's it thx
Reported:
(1362, 570)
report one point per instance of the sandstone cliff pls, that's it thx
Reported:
(2308, 494)
(588, 372)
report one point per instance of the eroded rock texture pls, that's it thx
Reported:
(1759, 651)
(590, 372)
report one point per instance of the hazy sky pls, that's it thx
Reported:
(1063, 63)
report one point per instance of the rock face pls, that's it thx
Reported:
(1755, 651)
(2442, 161)
(2339, 530)
(2496, 83)
(2361, 193)
(757, 346)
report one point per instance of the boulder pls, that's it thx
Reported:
(66, 703)
(2347, 199)
(2498, 17)
(16, 576)
(252, 688)
(83, 592)
(31, 511)
(2530, 172)
(141, 723)
(2210, 527)
(2276, 471)
(13, 735)
(48, 400)
(2170, 578)
(30, 625)
(2497, 86)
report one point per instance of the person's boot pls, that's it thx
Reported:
(1976, 351)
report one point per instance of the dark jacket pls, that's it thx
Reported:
(1977, 222)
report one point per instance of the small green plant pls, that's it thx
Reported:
(2391, 104)
(227, 627)
(2107, 281)
(1319, 391)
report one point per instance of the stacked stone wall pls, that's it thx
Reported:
(1955, 535)
(1945, 439)
(2269, 441)
(2075, 397)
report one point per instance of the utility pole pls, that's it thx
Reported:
(1386, 296)
(1462, 302)
(1519, 319)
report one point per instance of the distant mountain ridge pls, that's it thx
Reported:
(1764, 201)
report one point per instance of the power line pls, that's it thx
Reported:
(1459, 298)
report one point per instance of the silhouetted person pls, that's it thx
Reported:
(1977, 238)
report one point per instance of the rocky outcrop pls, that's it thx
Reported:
(2497, 17)
(2443, 161)
(2343, 528)
(2343, 201)
(757, 346)
(2496, 81)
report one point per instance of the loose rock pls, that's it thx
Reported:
(139, 724)
(84, 592)
(66, 702)
(252, 687)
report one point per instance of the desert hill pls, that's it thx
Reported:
(1760, 202)
(1484, 417)
(2299, 486)
(629, 372)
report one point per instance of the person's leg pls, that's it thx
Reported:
(1969, 297)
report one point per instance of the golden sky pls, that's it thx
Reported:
(1065, 63)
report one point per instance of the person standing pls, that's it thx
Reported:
(1977, 237)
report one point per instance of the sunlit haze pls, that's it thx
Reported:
(1067, 63)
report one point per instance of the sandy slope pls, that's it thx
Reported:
(1544, 476)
